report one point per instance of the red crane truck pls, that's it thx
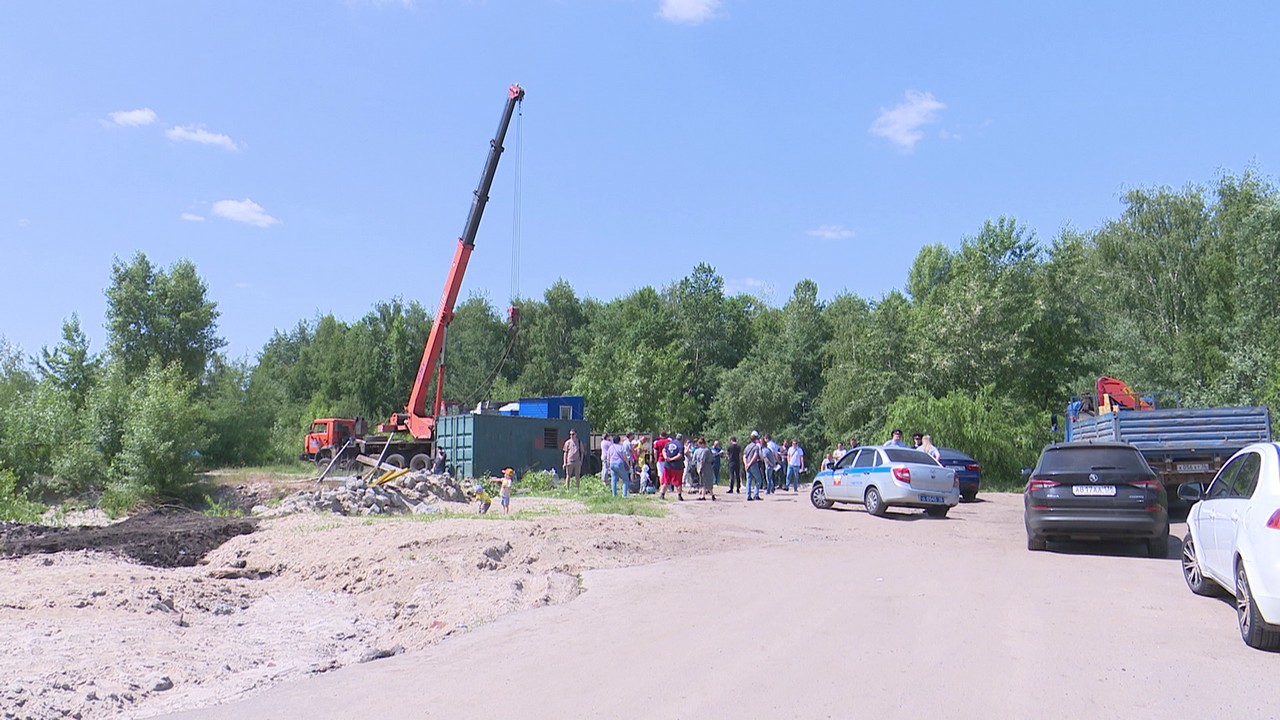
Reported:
(335, 439)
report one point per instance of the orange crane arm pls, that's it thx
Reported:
(417, 420)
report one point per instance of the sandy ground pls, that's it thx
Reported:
(91, 635)
(723, 609)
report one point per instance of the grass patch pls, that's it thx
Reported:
(216, 509)
(594, 494)
(644, 506)
(285, 469)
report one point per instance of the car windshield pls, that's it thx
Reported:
(1092, 458)
(909, 456)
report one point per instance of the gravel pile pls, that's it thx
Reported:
(412, 493)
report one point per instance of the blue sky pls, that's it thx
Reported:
(318, 157)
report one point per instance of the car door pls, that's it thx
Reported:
(868, 459)
(839, 484)
(1231, 510)
(1212, 509)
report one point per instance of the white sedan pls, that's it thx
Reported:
(884, 477)
(1233, 540)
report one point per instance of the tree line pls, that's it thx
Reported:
(984, 342)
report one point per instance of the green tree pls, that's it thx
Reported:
(154, 316)
(69, 366)
(1162, 267)
(553, 342)
(710, 332)
(634, 377)
(977, 324)
(475, 351)
(868, 364)
(18, 446)
(160, 440)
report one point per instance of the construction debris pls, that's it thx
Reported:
(404, 492)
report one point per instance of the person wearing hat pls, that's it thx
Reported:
(896, 439)
(483, 499)
(504, 493)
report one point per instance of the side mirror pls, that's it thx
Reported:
(1191, 492)
(1026, 473)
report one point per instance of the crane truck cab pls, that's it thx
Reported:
(328, 436)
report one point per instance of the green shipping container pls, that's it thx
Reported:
(482, 445)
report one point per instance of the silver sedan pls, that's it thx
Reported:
(885, 477)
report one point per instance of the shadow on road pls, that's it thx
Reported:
(1115, 548)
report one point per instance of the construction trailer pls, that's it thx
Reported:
(480, 445)
(565, 407)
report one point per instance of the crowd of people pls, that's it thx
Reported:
(672, 463)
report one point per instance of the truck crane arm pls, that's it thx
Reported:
(417, 419)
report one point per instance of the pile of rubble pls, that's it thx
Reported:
(417, 492)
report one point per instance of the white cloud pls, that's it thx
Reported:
(195, 134)
(131, 118)
(762, 289)
(901, 124)
(192, 217)
(831, 232)
(24, 223)
(688, 11)
(245, 211)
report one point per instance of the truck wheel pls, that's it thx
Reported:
(421, 461)
(395, 459)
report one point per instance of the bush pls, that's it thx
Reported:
(541, 481)
(1001, 435)
(14, 505)
(159, 443)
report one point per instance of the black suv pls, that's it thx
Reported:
(1096, 490)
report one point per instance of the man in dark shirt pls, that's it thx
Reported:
(735, 465)
(673, 476)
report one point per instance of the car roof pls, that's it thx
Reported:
(954, 453)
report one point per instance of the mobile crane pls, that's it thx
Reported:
(332, 439)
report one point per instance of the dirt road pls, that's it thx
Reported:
(811, 614)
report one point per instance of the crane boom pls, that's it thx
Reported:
(416, 419)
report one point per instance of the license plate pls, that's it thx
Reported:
(1193, 467)
(932, 499)
(1092, 490)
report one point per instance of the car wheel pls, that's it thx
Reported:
(1253, 630)
(1036, 543)
(818, 497)
(394, 459)
(1158, 547)
(875, 503)
(969, 497)
(937, 512)
(1191, 572)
